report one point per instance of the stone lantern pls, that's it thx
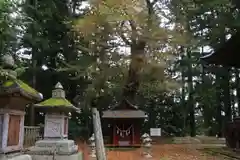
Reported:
(15, 95)
(55, 139)
(146, 144)
(56, 111)
(93, 146)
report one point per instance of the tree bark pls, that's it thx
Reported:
(227, 98)
(34, 66)
(34, 84)
(183, 102)
(191, 105)
(218, 106)
(238, 88)
(136, 64)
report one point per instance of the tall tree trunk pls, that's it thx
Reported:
(34, 67)
(227, 97)
(206, 114)
(183, 102)
(137, 56)
(137, 61)
(53, 66)
(238, 88)
(191, 105)
(34, 84)
(152, 115)
(218, 106)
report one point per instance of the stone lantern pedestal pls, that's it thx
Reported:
(56, 126)
(55, 143)
(146, 146)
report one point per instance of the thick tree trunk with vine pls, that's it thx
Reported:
(137, 57)
(136, 64)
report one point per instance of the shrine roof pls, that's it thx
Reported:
(18, 86)
(124, 109)
(124, 114)
(124, 104)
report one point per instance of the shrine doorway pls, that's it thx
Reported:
(124, 134)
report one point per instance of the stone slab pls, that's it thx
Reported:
(54, 142)
(47, 147)
(20, 157)
(76, 156)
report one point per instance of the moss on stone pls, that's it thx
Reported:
(8, 84)
(53, 102)
(21, 85)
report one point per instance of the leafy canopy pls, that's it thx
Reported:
(127, 23)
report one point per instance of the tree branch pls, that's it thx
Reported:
(134, 32)
(124, 38)
(150, 10)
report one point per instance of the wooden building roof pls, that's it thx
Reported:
(227, 54)
(18, 86)
(124, 114)
(124, 110)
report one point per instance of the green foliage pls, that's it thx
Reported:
(4, 74)
(109, 25)
(8, 27)
(81, 48)
(76, 130)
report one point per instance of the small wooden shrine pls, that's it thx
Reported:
(14, 96)
(56, 111)
(227, 56)
(125, 123)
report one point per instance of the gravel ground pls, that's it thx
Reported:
(159, 152)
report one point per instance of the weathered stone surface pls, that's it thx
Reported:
(76, 156)
(3, 157)
(21, 157)
(48, 147)
(52, 143)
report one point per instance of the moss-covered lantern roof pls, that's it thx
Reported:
(57, 102)
(18, 86)
(13, 85)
